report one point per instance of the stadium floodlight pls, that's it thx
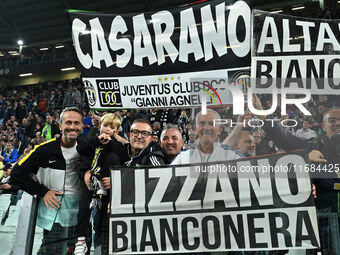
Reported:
(68, 68)
(25, 74)
(298, 8)
(20, 42)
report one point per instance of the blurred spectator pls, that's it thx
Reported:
(192, 137)
(263, 147)
(324, 100)
(2, 100)
(10, 137)
(141, 114)
(152, 116)
(50, 129)
(185, 134)
(9, 112)
(20, 111)
(305, 132)
(37, 130)
(10, 155)
(40, 140)
(155, 137)
(120, 131)
(246, 144)
(183, 119)
(156, 129)
(126, 122)
(222, 133)
(95, 130)
(42, 107)
(6, 187)
(87, 122)
(21, 129)
(321, 109)
(2, 113)
(67, 98)
(3, 143)
(51, 100)
(76, 96)
(31, 125)
(18, 146)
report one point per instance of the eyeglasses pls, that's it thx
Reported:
(135, 133)
(204, 123)
(332, 120)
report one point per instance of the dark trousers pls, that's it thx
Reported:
(101, 222)
(84, 213)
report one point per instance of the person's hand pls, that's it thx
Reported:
(106, 183)
(87, 178)
(108, 207)
(244, 118)
(104, 138)
(5, 186)
(258, 105)
(316, 156)
(50, 199)
(314, 190)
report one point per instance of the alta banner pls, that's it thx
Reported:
(295, 54)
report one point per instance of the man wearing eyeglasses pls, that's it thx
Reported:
(140, 151)
(331, 122)
(207, 149)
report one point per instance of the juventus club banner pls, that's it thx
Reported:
(163, 58)
(295, 53)
(263, 203)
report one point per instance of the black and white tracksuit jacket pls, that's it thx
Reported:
(47, 162)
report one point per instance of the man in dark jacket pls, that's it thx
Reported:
(20, 111)
(9, 112)
(141, 151)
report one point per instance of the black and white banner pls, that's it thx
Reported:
(153, 59)
(294, 53)
(263, 203)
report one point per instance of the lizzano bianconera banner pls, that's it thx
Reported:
(261, 203)
(165, 58)
(295, 54)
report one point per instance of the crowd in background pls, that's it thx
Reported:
(30, 115)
